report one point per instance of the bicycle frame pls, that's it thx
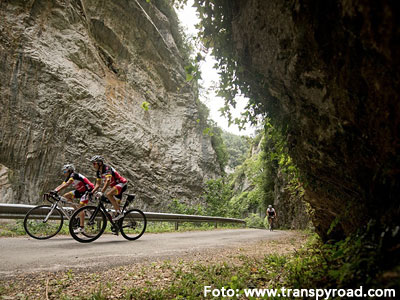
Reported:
(57, 204)
(100, 206)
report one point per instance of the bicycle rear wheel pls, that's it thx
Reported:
(42, 222)
(95, 223)
(133, 224)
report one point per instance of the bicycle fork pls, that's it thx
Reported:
(50, 212)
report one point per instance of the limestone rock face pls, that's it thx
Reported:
(292, 210)
(73, 77)
(329, 72)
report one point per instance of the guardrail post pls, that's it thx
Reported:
(176, 226)
(216, 225)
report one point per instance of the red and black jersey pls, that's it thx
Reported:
(80, 182)
(108, 171)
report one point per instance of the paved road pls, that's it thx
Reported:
(24, 254)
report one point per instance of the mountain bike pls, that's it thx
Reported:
(132, 225)
(45, 221)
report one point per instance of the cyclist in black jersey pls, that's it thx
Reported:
(271, 214)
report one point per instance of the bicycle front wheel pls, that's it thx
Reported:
(94, 224)
(133, 224)
(43, 222)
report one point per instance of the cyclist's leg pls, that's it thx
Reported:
(118, 197)
(110, 195)
(70, 198)
(84, 200)
(116, 193)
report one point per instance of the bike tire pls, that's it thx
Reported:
(94, 226)
(35, 225)
(133, 224)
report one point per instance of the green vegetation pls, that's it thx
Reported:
(254, 221)
(218, 144)
(237, 148)
(12, 228)
(145, 105)
(248, 182)
(16, 228)
(254, 182)
(161, 227)
(252, 185)
(179, 207)
(216, 201)
(211, 129)
(216, 34)
(316, 265)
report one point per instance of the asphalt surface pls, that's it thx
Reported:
(27, 255)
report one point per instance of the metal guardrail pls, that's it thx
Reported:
(18, 211)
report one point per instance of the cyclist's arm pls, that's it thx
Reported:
(106, 183)
(97, 185)
(64, 185)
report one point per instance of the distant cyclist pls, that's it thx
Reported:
(271, 213)
(112, 179)
(82, 187)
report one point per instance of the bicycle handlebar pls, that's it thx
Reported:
(51, 197)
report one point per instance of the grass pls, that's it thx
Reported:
(181, 278)
(14, 228)
(342, 265)
(316, 265)
(10, 228)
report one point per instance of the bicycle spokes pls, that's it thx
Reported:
(133, 224)
(43, 222)
(91, 224)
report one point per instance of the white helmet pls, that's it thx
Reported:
(68, 167)
(269, 206)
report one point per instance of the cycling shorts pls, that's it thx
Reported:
(82, 196)
(120, 187)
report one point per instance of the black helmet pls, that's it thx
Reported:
(96, 158)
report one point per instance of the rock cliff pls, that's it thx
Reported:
(73, 77)
(326, 72)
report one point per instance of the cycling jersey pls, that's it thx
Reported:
(271, 212)
(108, 171)
(79, 182)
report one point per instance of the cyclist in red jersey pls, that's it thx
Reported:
(82, 186)
(113, 179)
